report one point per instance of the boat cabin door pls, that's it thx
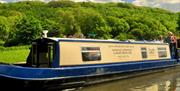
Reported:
(42, 54)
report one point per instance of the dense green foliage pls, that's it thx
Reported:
(22, 22)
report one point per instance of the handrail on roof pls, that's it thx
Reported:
(108, 40)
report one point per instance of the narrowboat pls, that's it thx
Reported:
(72, 62)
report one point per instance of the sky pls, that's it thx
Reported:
(172, 5)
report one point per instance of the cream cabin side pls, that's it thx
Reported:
(83, 53)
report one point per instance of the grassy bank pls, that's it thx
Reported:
(14, 54)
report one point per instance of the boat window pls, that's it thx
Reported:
(91, 53)
(162, 52)
(144, 52)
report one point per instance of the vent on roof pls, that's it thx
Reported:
(45, 33)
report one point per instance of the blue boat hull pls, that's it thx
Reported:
(74, 75)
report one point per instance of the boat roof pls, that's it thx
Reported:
(106, 41)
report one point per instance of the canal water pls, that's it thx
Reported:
(168, 80)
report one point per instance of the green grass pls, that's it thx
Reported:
(14, 54)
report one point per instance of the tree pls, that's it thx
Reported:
(62, 3)
(4, 28)
(55, 29)
(26, 30)
(68, 21)
(118, 26)
(95, 20)
(92, 22)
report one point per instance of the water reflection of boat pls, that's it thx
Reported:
(70, 62)
(162, 81)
